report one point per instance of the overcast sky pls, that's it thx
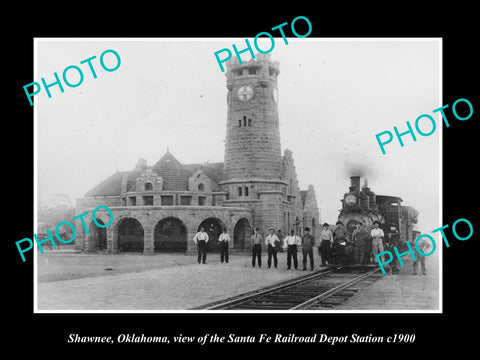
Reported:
(334, 96)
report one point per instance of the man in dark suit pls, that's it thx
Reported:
(308, 242)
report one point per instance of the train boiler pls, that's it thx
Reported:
(361, 204)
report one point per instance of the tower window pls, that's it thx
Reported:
(246, 191)
(244, 122)
(239, 191)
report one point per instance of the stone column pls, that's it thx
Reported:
(191, 247)
(111, 248)
(148, 245)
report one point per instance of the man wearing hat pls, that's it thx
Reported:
(201, 239)
(377, 240)
(308, 241)
(423, 246)
(339, 243)
(256, 248)
(326, 241)
(358, 236)
(224, 240)
(290, 243)
(271, 240)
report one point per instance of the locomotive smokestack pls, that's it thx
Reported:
(355, 184)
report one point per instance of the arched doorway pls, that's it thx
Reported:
(130, 236)
(241, 234)
(98, 237)
(213, 227)
(170, 235)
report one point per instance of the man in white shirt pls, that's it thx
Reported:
(201, 239)
(326, 243)
(271, 240)
(290, 243)
(377, 240)
(224, 240)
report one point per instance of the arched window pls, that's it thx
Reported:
(148, 186)
(201, 187)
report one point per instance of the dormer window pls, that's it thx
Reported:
(148, 186)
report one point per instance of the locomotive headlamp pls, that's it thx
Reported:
(350, 200)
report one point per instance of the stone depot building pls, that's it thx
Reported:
(159, 208)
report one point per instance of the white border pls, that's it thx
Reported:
(35, 179)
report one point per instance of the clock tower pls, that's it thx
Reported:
(252, 148)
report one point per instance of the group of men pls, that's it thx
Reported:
(290, 243)
(339, 248)
(272, 242)
(335, 247)
(201, 239)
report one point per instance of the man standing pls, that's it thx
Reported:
(224, 240)
(271, 241)
(290, 243)
(326, 241)
(201, 239)
(256, 248)
(339, 243)
(391, 242)
(280, 239)
(358, 236)
(308, 241)
(422, 246)
(377, 240)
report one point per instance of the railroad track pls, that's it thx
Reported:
(322, 289)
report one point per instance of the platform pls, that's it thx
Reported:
(403, 292)
(89, 282)
(138, 282)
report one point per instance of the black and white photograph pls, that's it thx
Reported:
(261, 187)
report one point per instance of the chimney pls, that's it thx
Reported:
(355, 184)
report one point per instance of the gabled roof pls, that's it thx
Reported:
(175, 176)
(213, 170)
(108, 187)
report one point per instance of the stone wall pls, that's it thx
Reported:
(150, 216)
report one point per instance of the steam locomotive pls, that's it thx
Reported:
(363, 205)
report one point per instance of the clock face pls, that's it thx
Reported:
(350, 199)
(245, 93)
(275, 95)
